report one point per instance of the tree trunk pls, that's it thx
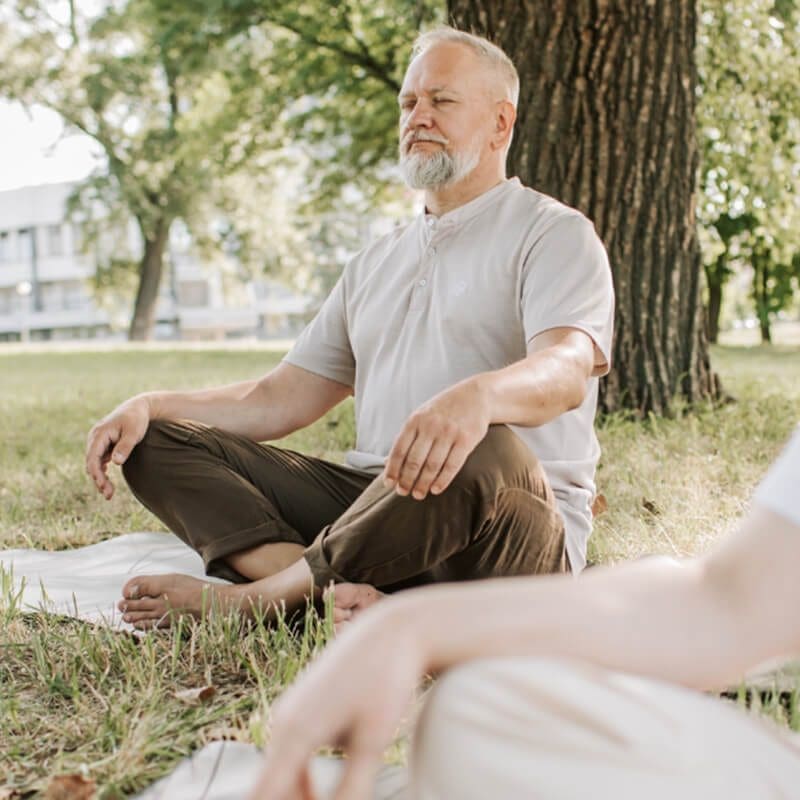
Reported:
(761, 295)
(150, 271)
(607, 124)
(714, 308)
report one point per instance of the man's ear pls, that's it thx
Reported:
(504, 118)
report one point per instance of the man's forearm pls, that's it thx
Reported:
(243, 408)
(551, 380)
(533, 391)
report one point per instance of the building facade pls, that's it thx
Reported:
(45, 291)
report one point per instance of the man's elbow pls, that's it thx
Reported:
(576, 392)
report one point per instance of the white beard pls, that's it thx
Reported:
(439, 169)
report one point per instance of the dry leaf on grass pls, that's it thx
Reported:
(193, 697)
(599, 505)
(650, 506)
(70, 787)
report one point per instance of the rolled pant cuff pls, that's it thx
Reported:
(321, 569)
(215, 552)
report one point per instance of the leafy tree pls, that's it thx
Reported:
(167, 111)
(749, 126)
(191, 102)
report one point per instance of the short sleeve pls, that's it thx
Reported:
(780, 490)
(567, 283)
(324, 345)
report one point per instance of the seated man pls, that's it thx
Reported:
(508, 720)
(492, 309)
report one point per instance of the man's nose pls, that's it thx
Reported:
(420, 116)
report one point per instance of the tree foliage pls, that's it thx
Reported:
(167, 111)
(202, 108)
(749, 125)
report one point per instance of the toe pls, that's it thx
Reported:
(130, 590)
(137, 606)
(345, 595)
(341, 614)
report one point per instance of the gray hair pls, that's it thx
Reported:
(487, 51)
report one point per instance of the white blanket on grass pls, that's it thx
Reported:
(87, 582)
(228, 770)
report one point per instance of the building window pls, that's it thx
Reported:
(55, 241)
(24, 252)
(5, 253)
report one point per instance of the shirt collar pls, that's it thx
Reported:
(460, 215)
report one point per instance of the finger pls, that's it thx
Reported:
(433, 466)
(306, 786)
(123, 448)
(397, 456)
(274, 785)
(451, 467)
(414, 463)
(359, 777)
(97, 455)
(285, 774)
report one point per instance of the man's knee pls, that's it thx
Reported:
(160, 449)
(501, 459)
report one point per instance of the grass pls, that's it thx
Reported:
(75, 699)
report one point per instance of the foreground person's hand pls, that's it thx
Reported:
(113, 439)
(353, 697)
(437, 439)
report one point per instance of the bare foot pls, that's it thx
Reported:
(349, 600)
(154, 601)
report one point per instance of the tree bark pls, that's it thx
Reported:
(607, 125)
(714, 309)
(150, 271)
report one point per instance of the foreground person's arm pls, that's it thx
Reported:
(284, 400)
(701, 624)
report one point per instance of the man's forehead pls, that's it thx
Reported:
(444, 66)
(441, 88)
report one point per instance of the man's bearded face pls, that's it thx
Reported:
(427, 167)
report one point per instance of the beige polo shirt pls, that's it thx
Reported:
(441, 299)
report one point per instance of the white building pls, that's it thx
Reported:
(45, 293)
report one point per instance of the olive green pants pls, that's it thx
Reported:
(223, 493)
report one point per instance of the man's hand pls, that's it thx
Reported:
(437, 438)
(113, 438)
(353, 697)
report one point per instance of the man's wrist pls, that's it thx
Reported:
(152, 403)
(483, 386)
(410, 620)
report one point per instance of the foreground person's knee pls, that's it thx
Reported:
(447, 736)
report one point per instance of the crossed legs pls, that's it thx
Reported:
(282, 525)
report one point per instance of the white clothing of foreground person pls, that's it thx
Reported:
(562, 688)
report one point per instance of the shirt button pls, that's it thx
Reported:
(423, 282)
